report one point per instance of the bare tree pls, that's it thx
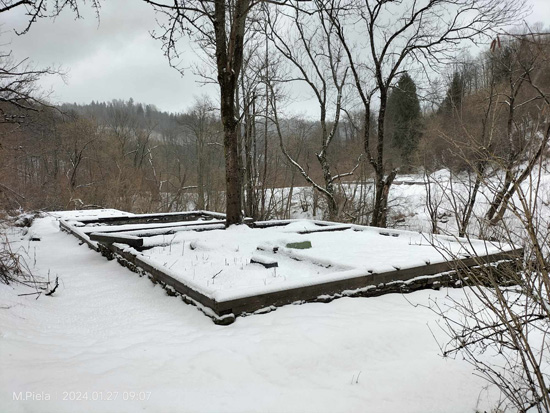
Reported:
(200, 122)
(502, 324)
(77, 136)
(251, 100)
(519, 65)
(219, 26)
(317, 58)
(37, 9)
(19, 91)
(400, 35)
(472, 136)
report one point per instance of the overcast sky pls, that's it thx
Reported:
(117, 58)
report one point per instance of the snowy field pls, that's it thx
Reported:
(225, 264)
(110, 341)
(221, 262)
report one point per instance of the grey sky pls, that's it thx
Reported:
(118, 59)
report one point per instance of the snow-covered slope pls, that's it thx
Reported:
(108, 334)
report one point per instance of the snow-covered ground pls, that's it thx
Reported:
(224, 264)
(118, 343)
(220, 262)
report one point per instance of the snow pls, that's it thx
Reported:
(107, 330)
(300, 225)
(115, 237)
(265, 261)
(218, 263)
(90, 214)
(141, 227)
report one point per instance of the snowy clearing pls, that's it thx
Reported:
(225, 264)
(107, 333)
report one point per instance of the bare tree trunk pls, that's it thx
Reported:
(264, 175)
(382, 182)
(517, 182)
(233, 184)
(232, 172)
(249, 137)
(499, 196)
(467, 215)
(229, 59)
(200, 174)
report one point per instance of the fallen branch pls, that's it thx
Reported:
(49, 293)
(36, 292)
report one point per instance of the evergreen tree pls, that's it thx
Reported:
(404, 118)
(455, 93)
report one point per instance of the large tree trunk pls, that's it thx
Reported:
(329, 186)
(380, 210)
(232, 165)
(229, 59)
(233, 194)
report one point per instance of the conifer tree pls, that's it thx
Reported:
(455, 93)
(404, 118)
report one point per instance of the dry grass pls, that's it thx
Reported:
(13, 266)
(15, 262)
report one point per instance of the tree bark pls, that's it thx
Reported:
(232, 161)
(382, 183)
(229, 60)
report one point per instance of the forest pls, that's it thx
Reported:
(483, 116)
